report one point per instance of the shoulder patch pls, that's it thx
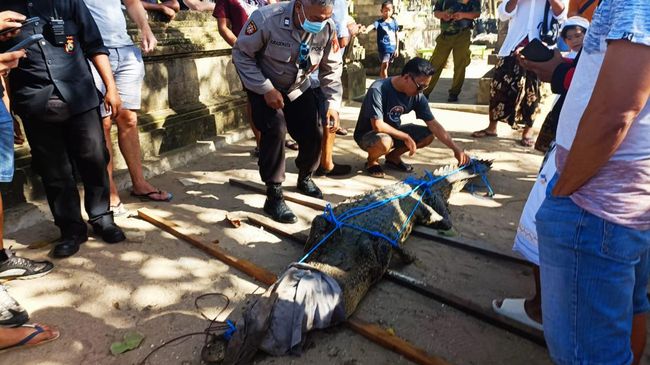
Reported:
(251, 28)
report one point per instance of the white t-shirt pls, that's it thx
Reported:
(620, 190)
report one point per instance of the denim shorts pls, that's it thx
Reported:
(128, 70)
(6, 150)
(417, 133)
(594, 276)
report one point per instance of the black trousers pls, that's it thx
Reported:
(300, 119)
(55, 147)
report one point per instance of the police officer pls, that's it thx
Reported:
(279, 46)
(53, 93)
(456, 23)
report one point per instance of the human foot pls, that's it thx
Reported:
(26, 336)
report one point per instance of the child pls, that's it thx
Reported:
(573, 32)
(387, 41)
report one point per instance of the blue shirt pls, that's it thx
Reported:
(386, 35)
(384, 103)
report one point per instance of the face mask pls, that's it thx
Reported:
(308, 25)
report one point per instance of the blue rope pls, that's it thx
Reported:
(339, 221)
(231, 330)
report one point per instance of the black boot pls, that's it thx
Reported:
(275, 205)
(307, 186)
(105, 227)
(71, 238)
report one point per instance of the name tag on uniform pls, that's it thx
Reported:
(286, 22)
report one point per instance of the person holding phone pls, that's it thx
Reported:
(11, 266)
(53, 93)
(514, 92)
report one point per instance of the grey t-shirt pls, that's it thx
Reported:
(111, 22)
(383, 102)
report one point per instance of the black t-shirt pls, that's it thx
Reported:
(49, 69)
(383, 102)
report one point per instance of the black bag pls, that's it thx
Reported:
(549, 29)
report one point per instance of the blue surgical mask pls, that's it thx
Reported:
(308, 25)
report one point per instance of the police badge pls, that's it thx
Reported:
(69, 45)
(251, 28)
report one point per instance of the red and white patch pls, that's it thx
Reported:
(251, 28)
(69, 45)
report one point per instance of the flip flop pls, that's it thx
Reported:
(483, 133)
(119, 210)
(291, 145)
(25, 341)
(515, 310)
(375, 171)
(527, 142)
(147, 196)
(400, 166)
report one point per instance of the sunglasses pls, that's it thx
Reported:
(418, 86)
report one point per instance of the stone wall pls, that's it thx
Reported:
(191, 92)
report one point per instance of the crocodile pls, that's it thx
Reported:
(351, 244)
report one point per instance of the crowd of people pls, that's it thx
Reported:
(586, 224)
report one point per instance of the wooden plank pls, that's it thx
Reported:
(485, 314)
(261, 275)
(319, 204)
(368, 330)
(380, 336)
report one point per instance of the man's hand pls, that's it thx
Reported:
(410, 144)
(148, 42)
(112, 102)
(10, 60)
(458, 16)
(274, 99)
(462, 158)
(333, 121)
(543, 70)
(169, 12)
(10, 19)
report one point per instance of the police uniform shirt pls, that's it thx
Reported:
(271, 52)
(49, 67)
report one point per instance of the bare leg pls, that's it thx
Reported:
(380, 148)
(115, 197)
(129, 142)
(527, 132)
(534, 306)
(638, 339)
(396, 154)
(327, 148)
(256, 131)
(383, 70)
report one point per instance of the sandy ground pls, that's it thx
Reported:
(150, 283)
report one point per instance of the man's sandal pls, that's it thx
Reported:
(25, 342)
(483, 133)
(148, 196)
(375, 171)
(400, 166)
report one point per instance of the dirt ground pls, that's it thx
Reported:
(150, 283)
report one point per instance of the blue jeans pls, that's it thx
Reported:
(594, 276)
(6, 146)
